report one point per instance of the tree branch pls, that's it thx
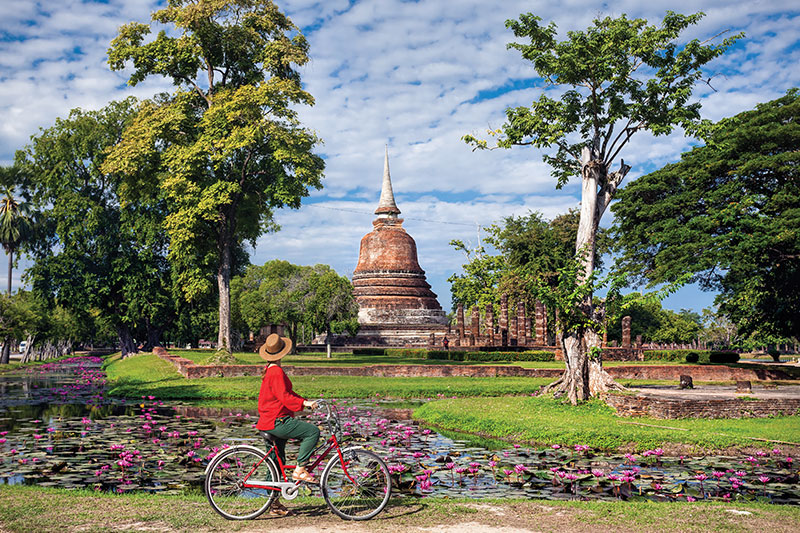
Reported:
(198, 89)
(608, 190)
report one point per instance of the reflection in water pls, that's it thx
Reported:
(58, 429)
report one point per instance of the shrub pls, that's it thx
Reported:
(723, 357)
(510, 356)
(418, 353)
(369, 351)
(676, 355)
(775, 354)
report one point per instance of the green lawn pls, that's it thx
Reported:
(146, 374)
(24, 509)
(543, 420)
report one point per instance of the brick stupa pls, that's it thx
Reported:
(396, 304)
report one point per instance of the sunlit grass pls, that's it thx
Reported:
(546, 421)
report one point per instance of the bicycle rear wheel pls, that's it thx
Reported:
(225, 478)
(359, 488)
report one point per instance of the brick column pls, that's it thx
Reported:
(626, 332)
(460, 322)
(489, 325)
(521, 340)
(512, 330)
(528, 329)
(539, 329)
(476, 325)
(504, 320)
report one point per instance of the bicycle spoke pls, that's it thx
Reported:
(225, 479)
(358, 490)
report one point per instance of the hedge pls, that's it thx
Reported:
(692, 356)
(458, 355)
(369, 351)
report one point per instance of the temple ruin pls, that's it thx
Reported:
(396, 304)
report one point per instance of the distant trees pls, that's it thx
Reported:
(296, 296)
(527, 247)
(656, 324)
(729, 213)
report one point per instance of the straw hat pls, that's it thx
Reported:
(275, 347)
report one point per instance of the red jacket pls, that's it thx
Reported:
(276, 398)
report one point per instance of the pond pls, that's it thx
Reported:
(59, 429)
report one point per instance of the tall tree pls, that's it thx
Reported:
(619, 76)
(15, 217)
(231, 145)
(333, 306)
(729, 214)
(14, 227)
(91, 250)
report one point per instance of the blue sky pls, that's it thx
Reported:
(413, 75)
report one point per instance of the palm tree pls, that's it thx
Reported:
(14, 227)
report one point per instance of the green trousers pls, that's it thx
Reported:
(292, 429)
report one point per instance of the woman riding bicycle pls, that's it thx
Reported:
(277, 403)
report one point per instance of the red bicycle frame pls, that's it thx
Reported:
(331, 443)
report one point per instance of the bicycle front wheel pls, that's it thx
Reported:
(357, 488)
(227, 475)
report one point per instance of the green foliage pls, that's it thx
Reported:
(656, 324)
(228, 142)
(92, 251)
(15, 213)
(369, 351)
(690, 356)
(282, 293)
(406, 352)
(624, 75)
(529, 248)
(728, 213)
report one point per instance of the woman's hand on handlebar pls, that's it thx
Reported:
(311, 404)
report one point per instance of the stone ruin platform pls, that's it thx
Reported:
(714, 401)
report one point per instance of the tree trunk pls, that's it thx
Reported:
(5, 357)
(153, 338)
(10, 267)
(224, 284)
(328, 342)
(126, 344)
(584, 376)
(26, 357)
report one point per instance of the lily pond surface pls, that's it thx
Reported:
(58, 428)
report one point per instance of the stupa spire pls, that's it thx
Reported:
(386, 205)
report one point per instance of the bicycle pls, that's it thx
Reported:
(243, 481)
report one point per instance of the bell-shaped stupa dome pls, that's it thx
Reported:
(390, 286)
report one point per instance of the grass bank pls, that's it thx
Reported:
(146, 374)
(545, 421)
(24, 509)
